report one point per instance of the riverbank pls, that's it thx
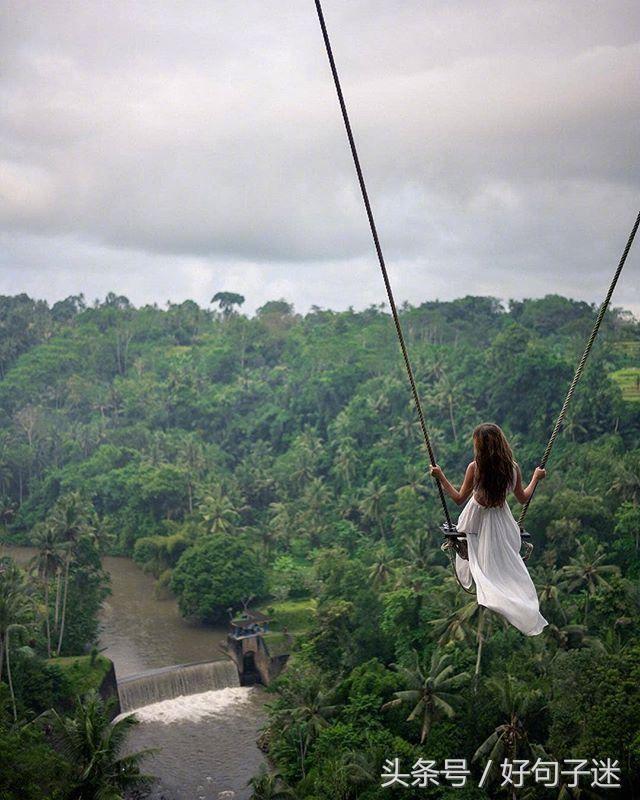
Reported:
(206, 741)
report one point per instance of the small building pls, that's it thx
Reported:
(248, 649)
(249, 623)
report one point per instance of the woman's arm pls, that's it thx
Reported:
(457, 495)
(524, 495)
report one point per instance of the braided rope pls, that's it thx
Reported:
(581, 364)
(449, 546)
(383, 268)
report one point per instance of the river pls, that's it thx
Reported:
(207, 741)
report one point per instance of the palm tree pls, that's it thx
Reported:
(434, 368)
(438, 442)
(312, 519)
(430, 691)
(548, 581)
(565, 791)
(586, 570)
(307, 450)
(9, 628)
(16, 611)
(7, 512)
(572, 427)
(191, 456)
(71, 519)
(415, 476)
(93, 747)
(344, 464)
(269, 786)
(626, 483)
(280, 523)
(419, 551)
(219, 512)
(372, 504)
(306, 712)
(445, 395)
(573, 637)
(46, 562)
(407, 429)
(361, 768)
(612, 639)
(517, 702)
(459, 627)
(383, 565)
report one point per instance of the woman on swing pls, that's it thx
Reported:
(502, 580)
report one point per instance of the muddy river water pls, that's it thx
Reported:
(206, 741)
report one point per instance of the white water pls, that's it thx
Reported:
(195, 707)
(165, 684)
(206, 742)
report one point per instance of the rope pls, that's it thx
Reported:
(583, 361)
(383, 268)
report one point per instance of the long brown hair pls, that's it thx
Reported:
(494, 464)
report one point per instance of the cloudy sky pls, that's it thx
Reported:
(168, 150)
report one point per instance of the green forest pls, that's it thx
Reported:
(279, 456)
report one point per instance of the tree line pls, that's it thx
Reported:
(279, 456)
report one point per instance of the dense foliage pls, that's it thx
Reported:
(292, 440)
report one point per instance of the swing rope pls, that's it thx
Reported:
(383, 268)
(581, 364)
(453, 545)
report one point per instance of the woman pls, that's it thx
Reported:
(502, 580)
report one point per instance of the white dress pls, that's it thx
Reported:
(502, 580)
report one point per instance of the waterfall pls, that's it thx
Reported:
(169, 682)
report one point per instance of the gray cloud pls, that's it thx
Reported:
(168, 150)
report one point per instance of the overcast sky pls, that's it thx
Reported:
(169, 150)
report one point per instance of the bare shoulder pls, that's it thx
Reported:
(471, 467)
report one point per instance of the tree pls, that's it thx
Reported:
(430, 690)
(269, 786)
(93, 746)
(276, 308)
(383, 566)
(67, 309)
(47, 563)
(445, 395)
(16, 611)
(518, 703)
(626, 481)
(191, 456)
(372, 504)
(31, 768)
(315, 500)
(215, 574)
(305, 709)
(218, 512)
(587, 570)
(548, 580)
(345, 461)
(227, 301)
(71, 519)
(594, 706)
(280, 522)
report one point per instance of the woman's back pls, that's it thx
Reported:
(480, 496)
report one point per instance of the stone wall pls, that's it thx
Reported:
(109, 689)
(267, 666)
